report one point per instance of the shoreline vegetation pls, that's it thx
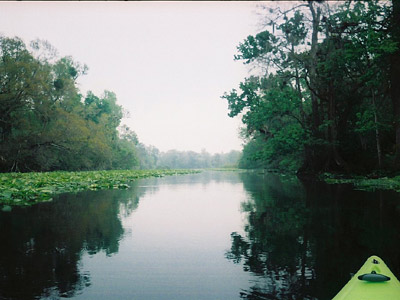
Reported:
(24, 189)
(368, 182)
(364, 183)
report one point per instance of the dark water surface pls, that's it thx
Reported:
(214, 235)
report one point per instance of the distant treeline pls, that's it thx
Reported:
(151, 158)
(46, 124)
(327, 94)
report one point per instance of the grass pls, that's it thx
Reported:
(25, 189)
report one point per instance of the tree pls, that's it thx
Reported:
(24, 97)
(44, 123)
(395, 74)
(328, 66)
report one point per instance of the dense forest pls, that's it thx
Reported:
(46, 124)
(324, 94)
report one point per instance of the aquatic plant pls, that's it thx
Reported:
(364, 183)
(31, 188)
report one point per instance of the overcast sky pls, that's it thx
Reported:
(168, 62)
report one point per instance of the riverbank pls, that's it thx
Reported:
(25, 189)
(365, 183)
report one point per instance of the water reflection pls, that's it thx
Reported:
(41, 246)
(48, 251)
(291, 240)
(303, 239)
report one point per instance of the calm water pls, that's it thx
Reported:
(214, 235)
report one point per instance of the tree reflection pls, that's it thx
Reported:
(41, 246)
(303, 239)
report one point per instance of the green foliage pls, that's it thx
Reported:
(31, 188)
(271, 114)
(45, 123)
(274, 155)
(326, 101)
(255, 47)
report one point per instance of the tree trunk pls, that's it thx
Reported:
(377, 134)
(314, 155)
(316, 15)
(335, 161)
(299, 93)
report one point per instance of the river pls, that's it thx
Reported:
(213, 235)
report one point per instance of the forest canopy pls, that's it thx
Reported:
(46, 123)
(326, 93)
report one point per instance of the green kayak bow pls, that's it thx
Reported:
(374, 281)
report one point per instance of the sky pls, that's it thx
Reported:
(169, 63)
